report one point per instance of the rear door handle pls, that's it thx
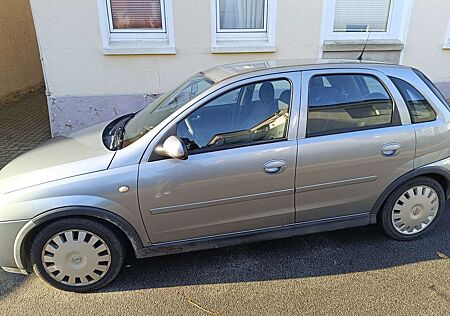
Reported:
(390, 150)
(274, 166)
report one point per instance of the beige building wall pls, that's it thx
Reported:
(20, 67)
(426, 37)
(85, 86)
(75, 64)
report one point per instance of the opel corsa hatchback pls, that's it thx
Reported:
(238, 153)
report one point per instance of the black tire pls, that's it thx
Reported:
(111, 240)
(385, 216)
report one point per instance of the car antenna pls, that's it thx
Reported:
(360, 57)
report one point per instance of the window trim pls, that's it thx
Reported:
(244, 41)
(395, 118)
(136, 41)
(399, 14)
(234, 146)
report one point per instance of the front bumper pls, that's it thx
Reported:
(8, 234)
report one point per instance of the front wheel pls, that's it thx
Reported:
(77, 255)
(413, 209)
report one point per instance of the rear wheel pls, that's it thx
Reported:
(413, 209)
(77, 255)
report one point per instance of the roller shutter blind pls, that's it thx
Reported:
(362, 15)
(136, 14)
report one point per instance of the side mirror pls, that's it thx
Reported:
(173, 147)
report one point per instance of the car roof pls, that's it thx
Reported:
(227, 71)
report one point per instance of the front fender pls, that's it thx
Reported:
(94, 194)
(64, 212)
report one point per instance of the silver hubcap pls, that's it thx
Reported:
(76, 257)
(415, 209)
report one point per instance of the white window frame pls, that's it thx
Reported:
(399, 14)
(244, 40)
(447, 37)
(136, 41)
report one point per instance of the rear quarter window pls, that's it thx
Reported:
(432, 87)
(420, 110)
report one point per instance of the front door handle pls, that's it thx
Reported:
(390, 150)
(274, 166)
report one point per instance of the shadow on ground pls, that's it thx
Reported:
(9, 282)
(346, 251)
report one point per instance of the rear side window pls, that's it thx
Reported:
(347, 102)
(419, 108)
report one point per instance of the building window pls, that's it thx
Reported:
(354, 19)
(136, 26)
(136, 15)
(361, 16)
(243, 26)
(242, 16)
(447, 38)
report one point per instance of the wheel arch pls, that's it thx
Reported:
(439, 174)
(24, 239)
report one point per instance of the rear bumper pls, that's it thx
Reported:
(8, 234)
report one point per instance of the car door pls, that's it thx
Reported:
(354, 140)
(239, 175)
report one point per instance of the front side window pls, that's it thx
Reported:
(347, 102)
(243, 25)
(239, 118)
(419, 108)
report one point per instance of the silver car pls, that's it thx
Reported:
(238, 153)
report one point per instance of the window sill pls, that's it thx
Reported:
(143, 47)
(247, 46)
(358, 45)
(446, 46)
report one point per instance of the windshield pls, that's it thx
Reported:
(149, 117)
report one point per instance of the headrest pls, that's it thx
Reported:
(285, 97)
(267, 92)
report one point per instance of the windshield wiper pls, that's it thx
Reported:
(117, 132)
